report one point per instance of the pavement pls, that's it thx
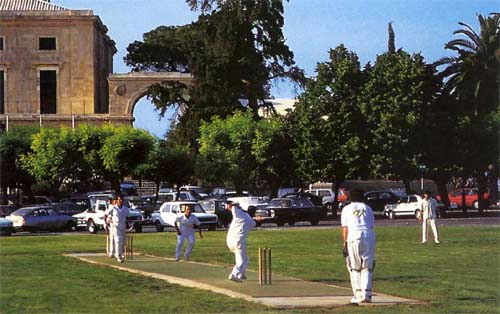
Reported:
(284, 292)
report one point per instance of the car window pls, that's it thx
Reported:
(371, 196)
(175, 209)
(385, 196)
(166, 208)
(413, 199)
(323, 193)
(52, 212)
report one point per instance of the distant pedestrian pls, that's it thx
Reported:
(118, 214)
(492, 181)
(428, 216)
(237, 240)
(358, 238)
(184, 225)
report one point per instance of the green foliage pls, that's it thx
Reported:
(392, 99)
(244, 153)
(328, 126)
(233, 52)
(13, 145)
(124, 150)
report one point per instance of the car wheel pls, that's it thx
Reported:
(258, 223)
(158, 226)
(280, 224)
(212, 227)
(314, 222)
(392, 215)
(138, 228)
(418, 214)
(70, 226)
(291, 223)
(91, 226)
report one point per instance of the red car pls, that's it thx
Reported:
(470, 198)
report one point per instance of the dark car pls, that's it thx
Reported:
(5, 210)
(316, 200)
(40, 218)
(290, 210)
(378, 199)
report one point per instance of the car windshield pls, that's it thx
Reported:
(303, 202)
(22, 211)
(280, 203)
(195, 208)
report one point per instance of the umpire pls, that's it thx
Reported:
(359, 246)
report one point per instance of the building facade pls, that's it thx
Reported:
(56, 68)
(54, 63)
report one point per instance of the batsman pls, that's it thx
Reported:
(359, 246)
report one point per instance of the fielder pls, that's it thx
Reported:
(107, 228)
(359, 246)
(184, 225)
(237, 240)
(428, 207)
(118, 214)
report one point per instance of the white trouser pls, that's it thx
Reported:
(180, 242)
(239, 248)
(116, 241)
(360, 264)
(432, 222)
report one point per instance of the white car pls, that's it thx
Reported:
(182, 196)
(407, 206)
(93, 219)
(169, 211)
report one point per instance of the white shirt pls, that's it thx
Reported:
(241, 224)
(186, 225)
(359, 220)
(119, 216)
(428, 208)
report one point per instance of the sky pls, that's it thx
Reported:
(312, 28)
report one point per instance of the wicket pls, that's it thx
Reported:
(265, 271)
(128, 246)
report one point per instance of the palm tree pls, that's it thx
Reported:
(473, 75)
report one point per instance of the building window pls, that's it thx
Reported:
(47, 43)
(2, 92)
(48, 91)
(1, 43)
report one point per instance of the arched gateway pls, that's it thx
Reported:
(125, 90)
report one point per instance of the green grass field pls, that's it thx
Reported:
(461, 275)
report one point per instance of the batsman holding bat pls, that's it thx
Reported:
(359, 246)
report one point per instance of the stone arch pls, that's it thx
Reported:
(125, 90)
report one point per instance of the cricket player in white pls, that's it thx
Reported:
(428, 207)
(359, 246)
(184, 225)
(237, 240)
(118, 214)
(107, 227)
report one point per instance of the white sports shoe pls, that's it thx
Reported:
(235, 279)
(355, 301)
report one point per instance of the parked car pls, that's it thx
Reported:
(128, 188)
(169, 211)
(408, 206)
(199, 190)
(68, 208)
(80, 200)
(471, 198)
(6, 227)
(316, 200)
(290, 210)
(217, 207)
(5, 210)
(378, 199)
(37, 218)
(144, 205)
(327, 196)
(181, 196)
(249, 203)
(93, 218)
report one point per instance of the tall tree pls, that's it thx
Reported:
(391, 101)
(473, 77)
(234, 51)
(14, 144)
(329, 130)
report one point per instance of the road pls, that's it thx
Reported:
(491, 218)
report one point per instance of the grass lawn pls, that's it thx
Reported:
(461, 275)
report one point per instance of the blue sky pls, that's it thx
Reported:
(312, 27)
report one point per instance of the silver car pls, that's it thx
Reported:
(40, 218)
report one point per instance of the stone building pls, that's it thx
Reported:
(56, 68)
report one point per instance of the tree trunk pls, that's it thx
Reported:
(406, 183)
(443, 192)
